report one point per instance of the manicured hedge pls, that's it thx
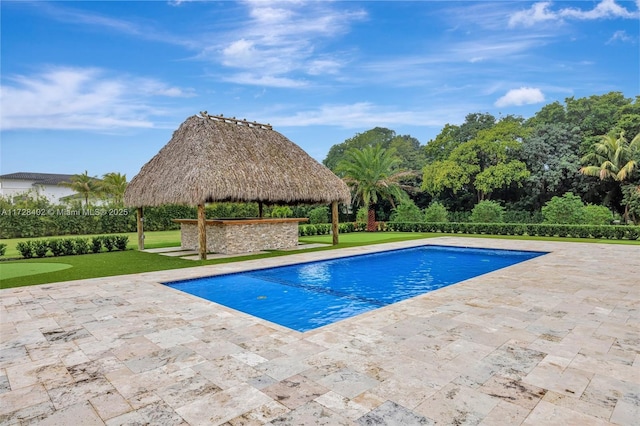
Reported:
(45, 220)
(71, 246)
(343, 228)
(610, 232)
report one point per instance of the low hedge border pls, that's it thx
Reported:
(610, 232)
(71, 246)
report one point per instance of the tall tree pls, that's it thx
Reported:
(628, 118)
(376, 136)
(552, 113)
(451, 135)
(85, 185)
(481, 165)
(614, 159)
(373, 174)
(597, 114)
(551, 155)
(407, 148)
(113, 185)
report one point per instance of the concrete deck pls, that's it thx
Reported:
(554, 340)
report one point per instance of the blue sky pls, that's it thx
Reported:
(101, 86)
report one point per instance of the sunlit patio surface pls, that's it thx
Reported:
(553, 340)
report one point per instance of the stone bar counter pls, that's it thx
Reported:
(243, 235)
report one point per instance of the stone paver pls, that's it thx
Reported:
(554, 340)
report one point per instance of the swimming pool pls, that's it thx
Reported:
(310, 295)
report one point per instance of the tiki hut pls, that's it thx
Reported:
(219, 159)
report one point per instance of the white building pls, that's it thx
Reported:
(44, 184)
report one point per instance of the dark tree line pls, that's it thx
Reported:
(520, 163)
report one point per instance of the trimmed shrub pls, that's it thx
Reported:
(632, 233)
(121, 242)
(281, 211)
(55, 245)
(596, 215)
(487, 212)
(618, 233)
(345, 228)
(96, 244)
(567, 209)
(25, 248)
(81, 245)
(360, 226)
(40, 248)
(582, 231)
(68, 247)
(597, 232)
(407, 211)
(436, 212)
(109, 242)
(3, 249)
(319, 215)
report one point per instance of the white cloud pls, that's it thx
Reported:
(178, 2)
(604, 9)
(541, 12)
(279, 42)
(256, 79)
(621, 36)
(241, 53)
(81, 98)
(323, 66)
(521, 96)
(363, 114)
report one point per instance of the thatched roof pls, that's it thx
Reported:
(210, 159)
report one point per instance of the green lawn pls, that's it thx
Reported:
(42, 270)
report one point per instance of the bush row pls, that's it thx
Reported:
(41, 219)
(325, 228)
(71, 246)
(532, 229)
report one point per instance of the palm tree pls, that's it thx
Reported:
(113, 185)
(372, 173)
(84, 185)
(615, 159)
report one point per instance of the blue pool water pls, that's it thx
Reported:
(309, 295)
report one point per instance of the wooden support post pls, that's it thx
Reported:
(334, 221)
(140, 226)
(202, 232)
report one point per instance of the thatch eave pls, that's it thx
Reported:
(210, 160)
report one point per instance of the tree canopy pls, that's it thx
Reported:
(520, 163)
(481, 165)
(407, 148)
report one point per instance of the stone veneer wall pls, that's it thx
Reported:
(241, 238)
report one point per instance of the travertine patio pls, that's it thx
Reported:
(554, 340)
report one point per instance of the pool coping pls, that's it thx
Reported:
(546, 339)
